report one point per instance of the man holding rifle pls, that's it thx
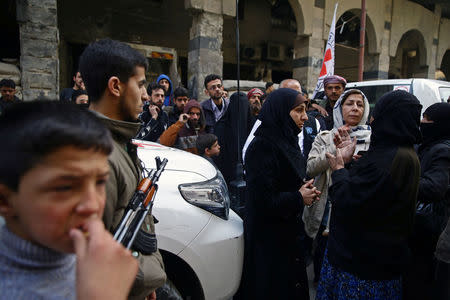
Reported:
(114, 75)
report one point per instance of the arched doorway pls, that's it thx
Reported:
(445, 64)
(267, 32)
(410, 57)
(348, 27)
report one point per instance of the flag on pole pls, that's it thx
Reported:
(328, 58)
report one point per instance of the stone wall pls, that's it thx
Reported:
(39, 48)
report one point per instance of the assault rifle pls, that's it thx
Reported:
(129, 232)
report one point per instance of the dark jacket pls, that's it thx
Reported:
(274, 265)
(4, 104)
(374, 201)
(152, 129)
(434, 189)
(66, 94)
(309, 134)
(210, 118)
(125, 174)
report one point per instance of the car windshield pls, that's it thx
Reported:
(445, 93)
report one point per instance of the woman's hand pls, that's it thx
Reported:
(344, 143)
(105, 269)
(336, 162)
(309, 193)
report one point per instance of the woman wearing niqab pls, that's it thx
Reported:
(373, 207)
(274, 265)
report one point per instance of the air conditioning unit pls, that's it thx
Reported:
(252, 53)
(275, 52)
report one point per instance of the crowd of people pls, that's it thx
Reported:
(362, 194)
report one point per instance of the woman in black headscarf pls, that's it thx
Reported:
(232, 131)
(373, 205)
(433, 203)
(275, 168)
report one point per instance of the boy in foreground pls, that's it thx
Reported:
(52, 194)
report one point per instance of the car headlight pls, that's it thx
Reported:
(211, 195)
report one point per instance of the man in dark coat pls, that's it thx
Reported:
(8, 92)
(180, 98)
(433, 200)
(216, 106)
(274, 265)
(155, 119)
(78, 84)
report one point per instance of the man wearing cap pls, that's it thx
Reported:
(254, 99)
(334, 86)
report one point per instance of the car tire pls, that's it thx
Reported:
(168, 292)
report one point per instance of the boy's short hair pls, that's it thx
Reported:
(180, 92)
(211, 77)
(31, 130)
(77, 93)
(106, 58)
(153, 86)
(7, 83)
(205, 141)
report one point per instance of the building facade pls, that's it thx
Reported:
(192, 38)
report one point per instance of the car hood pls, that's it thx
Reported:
(178, 160)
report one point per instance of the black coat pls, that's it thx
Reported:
(374, 202)
(152, 129)
(434, 196)
(274, 265)
(232, 131)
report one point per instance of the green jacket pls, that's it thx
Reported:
(125, 174)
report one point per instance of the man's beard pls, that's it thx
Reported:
(255, 108)
(195, 126)
(214, 97)
(159, 105)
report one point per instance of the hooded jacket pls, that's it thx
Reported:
(274, 263)
(374, 202)
(167, 99)
(183, 136)
(319, 168)
(125, 174)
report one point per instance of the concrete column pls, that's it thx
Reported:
(39, 38)
(308, 53)
(205, 50)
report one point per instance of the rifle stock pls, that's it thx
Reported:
(139, 206)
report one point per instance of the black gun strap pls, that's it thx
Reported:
(145, 243)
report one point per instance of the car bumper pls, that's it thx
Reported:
(217, 255)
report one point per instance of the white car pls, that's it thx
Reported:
(428, 91)
(199, 236)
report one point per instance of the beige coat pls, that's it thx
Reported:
(318, 168)
(125, 173)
